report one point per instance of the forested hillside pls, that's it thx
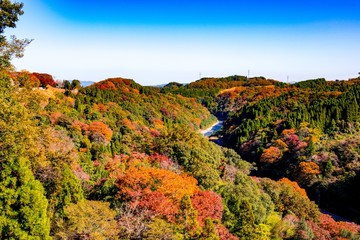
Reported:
(117, 160)
(206, 90)
(307, 132)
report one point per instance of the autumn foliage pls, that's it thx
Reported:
(100, 132)
(114, 84)
(271, 155)
(294, 185)
(208, 204)
(335, 228)
(159, 205)
(309, 168)
(117, 160)
(45, 79)
(120, 160)
(106, 85)
(138, 181)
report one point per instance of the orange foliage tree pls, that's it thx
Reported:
(105, 85)
(100, 132)
(139, 181)
(101, 107)
(309, 168)
(174, 186)
(271, 155)
(294, 185)
(54, 117)
(80, 126)
(307, 171)
(287, 132)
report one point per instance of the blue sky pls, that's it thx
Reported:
(156, 42)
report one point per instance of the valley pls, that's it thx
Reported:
(135, 153)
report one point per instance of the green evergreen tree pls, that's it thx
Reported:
(75, 84)
(23, 206)
(245, 226)
(71, 191)
(66, 84)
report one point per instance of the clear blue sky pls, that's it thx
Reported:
(156, 42)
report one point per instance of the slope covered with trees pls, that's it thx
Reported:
(307, 132)
(117, 160)
(206, 90)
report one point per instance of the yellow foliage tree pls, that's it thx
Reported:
(89, 220)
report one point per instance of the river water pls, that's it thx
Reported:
(214, 128)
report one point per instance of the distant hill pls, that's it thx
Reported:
(86, 83)
(169, 84)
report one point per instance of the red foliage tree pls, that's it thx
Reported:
(25, 78)
(208, 204)
(159, 204)
(294, 143)
(327, 223)
(224, 233)
(319, 233)
(120, 81)
(45, 79)
(161, 160)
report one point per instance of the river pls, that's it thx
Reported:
(211, 130)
